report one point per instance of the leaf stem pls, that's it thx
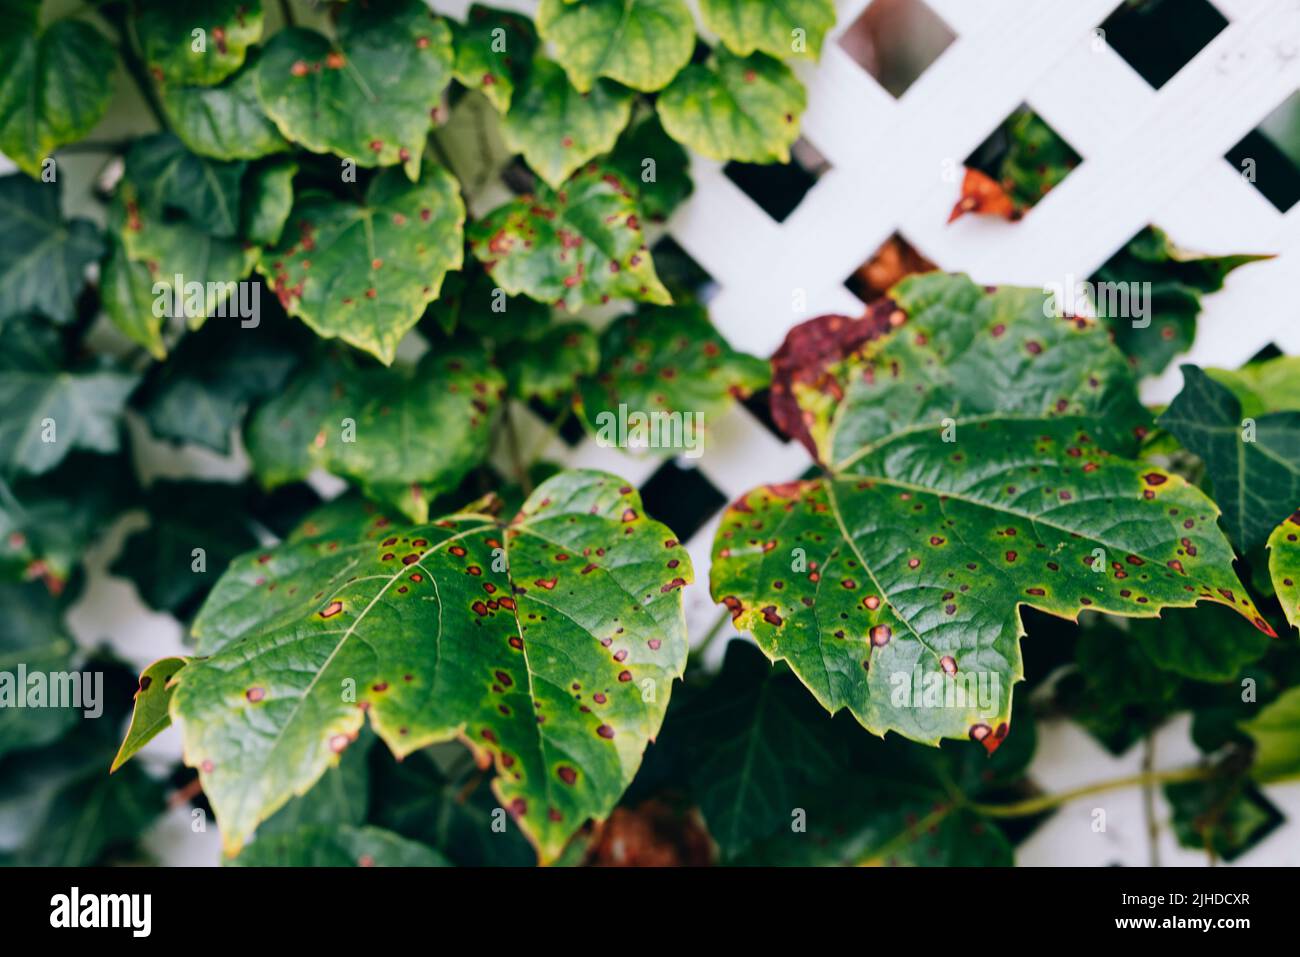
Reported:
(287, 11)
(1149, 799)
(117, 15)
(512, 447)
(1045, 802)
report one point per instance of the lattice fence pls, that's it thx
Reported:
(892, 165)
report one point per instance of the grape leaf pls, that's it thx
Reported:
(1255, 466)
(226, 121)
(185, 516)
(735, 108)
(665, 360)
(150, 715)
(338, 846)
(893, 585)
(579, 245)
(783, 28)
(1269, 386)
(471, 301)
(175, 54)
(169, 179)
(1171, 282)
(43, 258)
(126, 289)
(558, 128)
(1204, 644)
(364, 273)
(280, 433)
(547, 667)
(493, 63)
(367, 98)
(1276, 733)
(639, 43)
(268, 200)
(548, 365)
(662, 184)
(54, 88)
(1284, 566)
(32, 636)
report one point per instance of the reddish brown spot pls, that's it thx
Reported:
(880, 635)
(547, 583)
(605, 731)
(255, 694)
(949, 664)
(338, 742)
(332, 609)
(566, 774)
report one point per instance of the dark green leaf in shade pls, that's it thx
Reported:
(367, 98)
(735, 108)
(558, 128)
(32, 637)
(1254, 464)
(548, 366)
(171, 180)
(470, 628)
(338, 846)
(226, 121)
(656, 166)
(1225, 817)
(577, 246)
(268, 198)
(491, 62)
(1204, 644)
(639, 43)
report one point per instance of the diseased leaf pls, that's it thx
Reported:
(43, 258)
(735, 108)
(1254, 465)
(639, 43)
(665, 361)
(558, 128)
(177, 56)
(368, 97)
(533, 641)
(364, 273)
(195, 530)
(548, 365)
(169, 179)
(32, 638)
(152, 700)
(957, 493)
(54, 88)
(1026, 159)
(1149, 294)
(226, 121)
(471, 301)
(340, 798)
(783, 28)
(662, 184)
(493, 63)
(1284, 566)
(126, 289)
(1276, 733)
(338, 846)
(577, 246)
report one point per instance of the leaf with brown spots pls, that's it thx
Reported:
(1025, 160)
(579, 245)
(666, 365)
(166, 31)
(1284, 566)
(484, 64)
(773, 28)
(367, 97)
(639, 43)
(334, 845)
(364, 272)
(959, 489)
(152, 700)
(442, 632)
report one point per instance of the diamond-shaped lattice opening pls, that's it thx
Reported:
(684, 277)
(896, 41)
(1269, 155)
(1018, 164)
(682, 498)
(1157, 38)
(759, 405)
(892, 260)
(779, 188)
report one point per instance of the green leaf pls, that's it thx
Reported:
(54, 88)
(586, 619)
(472, 302)
(184, 516)
(43, 258)
(665, 361)
(368, 97)
(32, 638)
(335, 846)
(1204, 644)
(364, 273)
(1269, 386)
(280, 433)
(1255, 465)
(340, 798)
(268, 199)
(783, 28)
(558, 128)
(152, 700)
(176, 55)
(1284, 566)
(639, 43)
(490, 62)
(202, 394)
(548, 366)
(51, 411)
(226, 121)
(169, 179)
(577, 246)
(1220, 816)
(1276, 733)
(899, 576)
(126, 289)
(1171, 281)
(662, 184)
(735, 108)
